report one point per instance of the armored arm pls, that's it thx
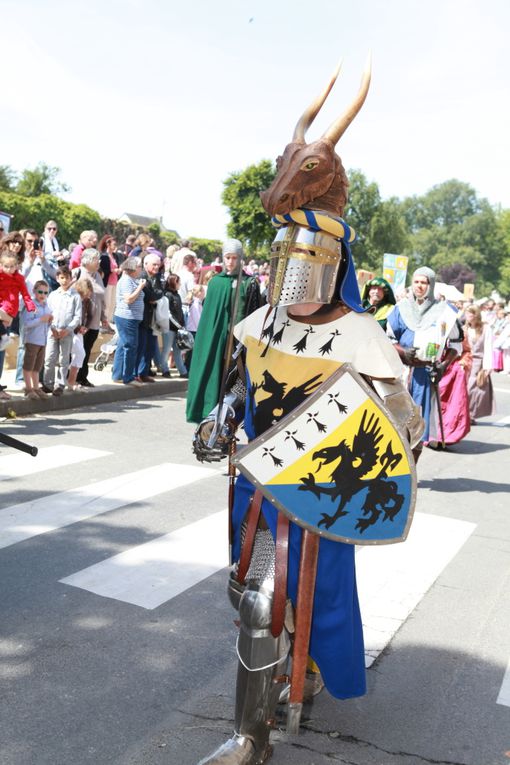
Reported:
(397, 399)
(215, 433)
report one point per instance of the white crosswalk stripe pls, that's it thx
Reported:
(29, 519)
(504, 693)
(17, 465)
(392, 579)
(153, 573)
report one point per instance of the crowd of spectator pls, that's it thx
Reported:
(57, 302)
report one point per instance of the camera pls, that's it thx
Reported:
(37, 244)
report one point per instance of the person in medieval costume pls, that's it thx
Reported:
(378, 298)
(314, 323)
(428, 337)
(210, 341)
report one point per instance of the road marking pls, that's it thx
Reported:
(502, 390)
(51, 457)
(153, 573)
(392, 579)
(504, 693)
(504, 421)
(29, 519)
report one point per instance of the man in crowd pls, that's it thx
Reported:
(187, 277)
(51, 253)
(147, 340)
(88, 240)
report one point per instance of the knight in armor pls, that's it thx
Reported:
(314, 323)
(211, 337)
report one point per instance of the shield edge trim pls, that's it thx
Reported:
(285, 422)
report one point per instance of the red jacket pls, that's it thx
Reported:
(11, 287)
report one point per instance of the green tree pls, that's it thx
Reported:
(504, 232)
(379, 224)
(35, 212)
(7, 178)
(42, 179)
(207, 249)
(248, 219)
(450, 225)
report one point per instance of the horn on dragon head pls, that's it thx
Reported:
(312, 175)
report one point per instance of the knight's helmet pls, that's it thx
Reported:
(311, 260)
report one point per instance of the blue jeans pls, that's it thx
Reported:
(124, 361)
(170, 344)
(147, 342)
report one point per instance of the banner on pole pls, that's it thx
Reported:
(395, 270)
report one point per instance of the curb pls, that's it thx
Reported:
(104, 394)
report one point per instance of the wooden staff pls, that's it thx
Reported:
(231, 490)
(306, 589)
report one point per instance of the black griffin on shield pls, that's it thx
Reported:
(355, 462)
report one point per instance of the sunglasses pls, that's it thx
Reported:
(51, 228)
(42, 292)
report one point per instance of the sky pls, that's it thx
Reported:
(148, 105)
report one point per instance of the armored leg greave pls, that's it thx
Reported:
(262, 658)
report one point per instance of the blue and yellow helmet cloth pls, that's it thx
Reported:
(309, 240)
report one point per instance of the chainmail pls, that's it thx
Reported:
(239, 388)
(262, 560)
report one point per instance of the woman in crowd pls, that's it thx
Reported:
(142, 244)
(479, 335)
(110, 271)
(128, 315)
(14, 244)
(176, 320)
(89, 270)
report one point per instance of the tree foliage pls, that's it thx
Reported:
(379, 225)
(248, 220)
(7, 178)
(42, 179)
(451, 225)
(35, 212)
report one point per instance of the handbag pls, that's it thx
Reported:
(481, 378)
(160, 317)
(185, 339)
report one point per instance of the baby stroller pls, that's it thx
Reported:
(107, 351)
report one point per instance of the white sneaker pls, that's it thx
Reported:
(4, 341)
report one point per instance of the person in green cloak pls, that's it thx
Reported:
(212, 333)
(378, 297)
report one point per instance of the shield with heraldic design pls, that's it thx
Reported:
(337, 465)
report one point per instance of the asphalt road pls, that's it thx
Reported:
(122, 665)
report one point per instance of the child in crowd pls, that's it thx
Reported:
(12, 285)
(65, 305)
(36, 334)
(195, 309)
(84, 289)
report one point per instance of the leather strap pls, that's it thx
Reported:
(280, 577)
(252, 519)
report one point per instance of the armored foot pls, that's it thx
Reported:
(238, 750)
